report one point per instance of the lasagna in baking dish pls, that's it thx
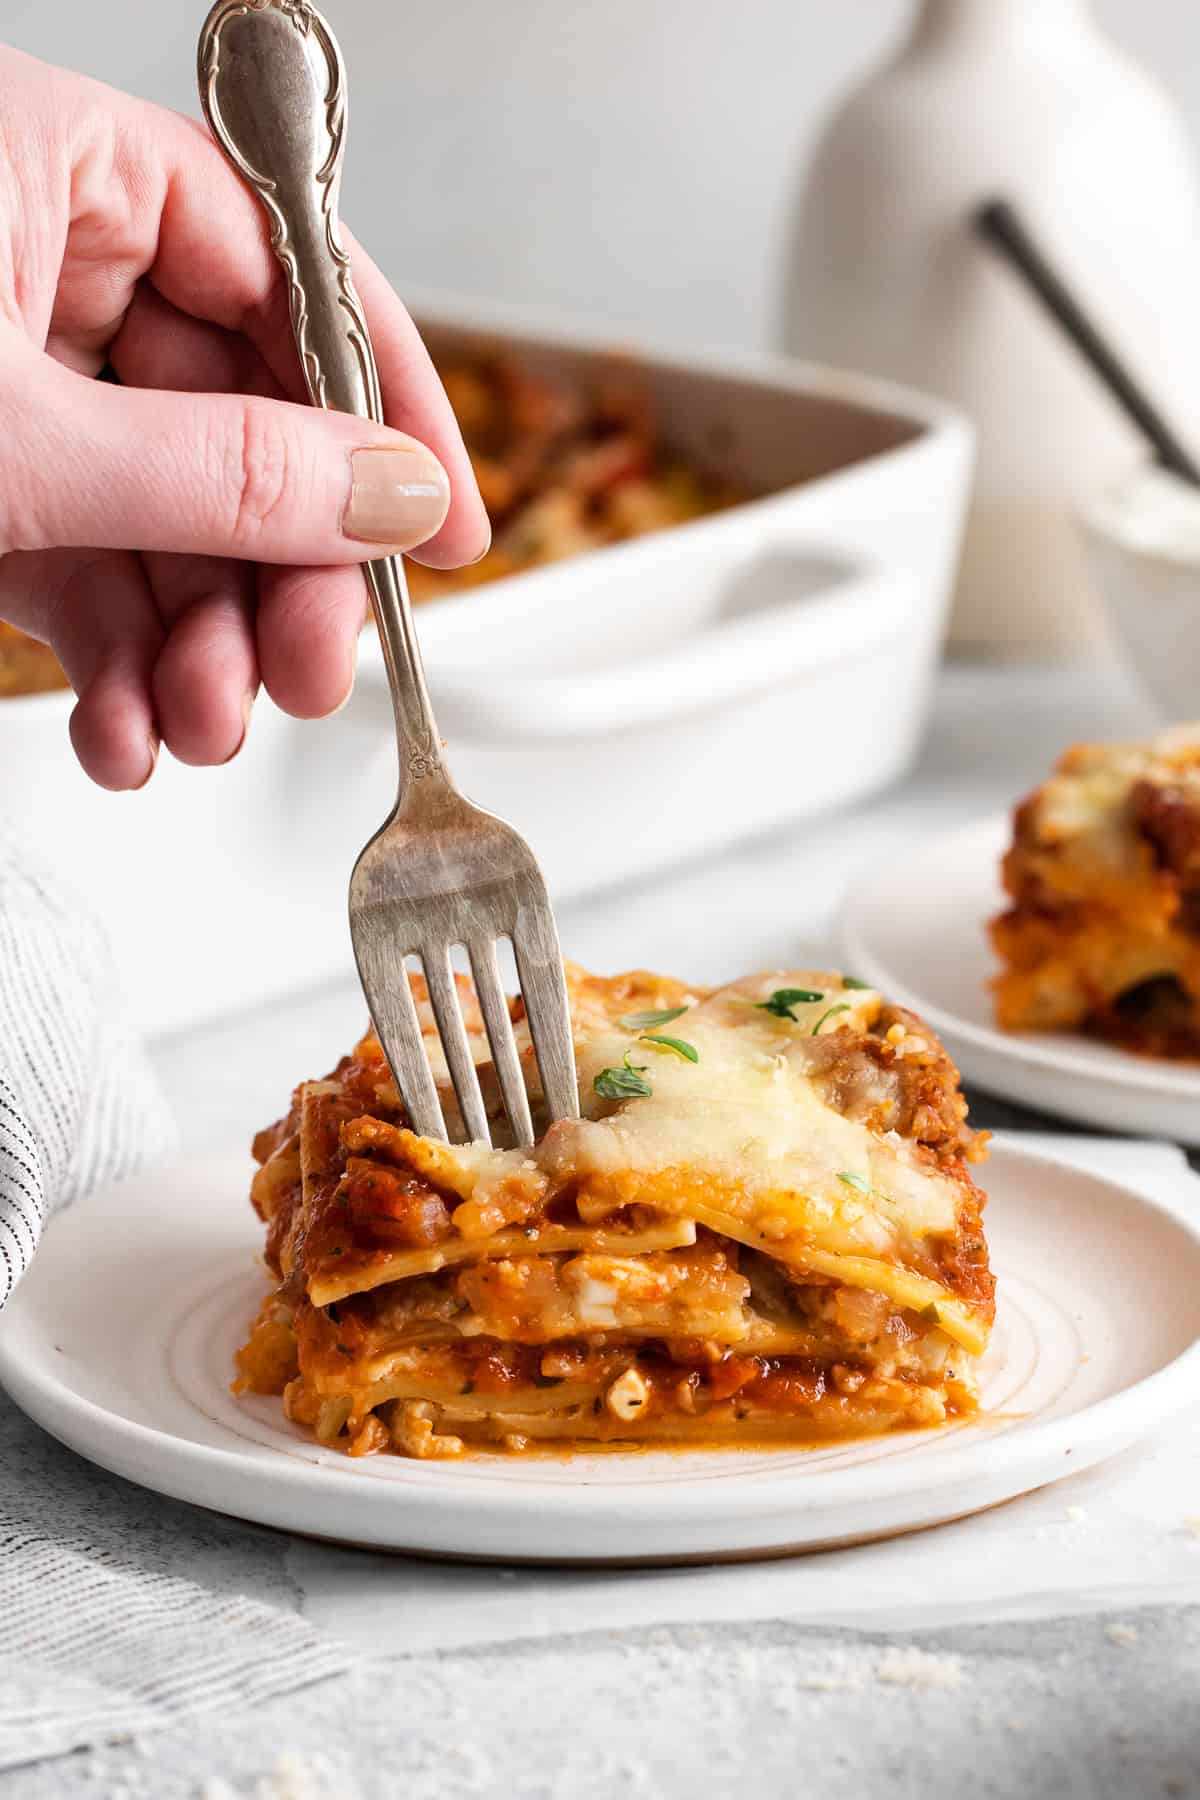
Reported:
(26, 666)
(1103, 933)
(763, 1228)
(563, 467)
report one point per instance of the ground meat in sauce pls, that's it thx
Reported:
(1170, 818)
(385, 1207)
(863, 1076)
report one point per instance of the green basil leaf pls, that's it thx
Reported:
(688, 1052)
(855, 1181)
(643, 1021)
(622, 1084)
(852, 981)
(844, 1007)
(782, 1001)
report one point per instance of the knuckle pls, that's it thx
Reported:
(28, 510)
(36, 492)
(67, 582)
(22, 525)
(258, 475)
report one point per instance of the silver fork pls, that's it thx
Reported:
(440, 872)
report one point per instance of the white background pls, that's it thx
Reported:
(634, 160)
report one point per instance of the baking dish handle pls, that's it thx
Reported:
(750, 648)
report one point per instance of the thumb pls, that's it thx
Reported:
(84, 463)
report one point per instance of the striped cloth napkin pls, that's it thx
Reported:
(95, 1650)
(91, 1646)
(78, 1104)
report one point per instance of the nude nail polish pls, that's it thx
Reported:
(346, 698)
(155, 745)
(248, 700)
(398, 497)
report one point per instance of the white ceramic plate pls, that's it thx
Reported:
(921, 938)
(120, 1342)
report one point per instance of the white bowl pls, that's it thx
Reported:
(626, 710)
(1142, 541)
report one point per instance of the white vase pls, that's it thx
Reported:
(1026, 100)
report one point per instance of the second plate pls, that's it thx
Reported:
(932, 953)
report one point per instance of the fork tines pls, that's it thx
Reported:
(394, 1011)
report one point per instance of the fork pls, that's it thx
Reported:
(440, 872)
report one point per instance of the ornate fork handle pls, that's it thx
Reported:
(273, 88)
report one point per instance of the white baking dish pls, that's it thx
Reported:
(628, 709)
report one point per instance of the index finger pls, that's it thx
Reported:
(213, 259)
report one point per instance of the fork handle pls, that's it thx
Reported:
(273, 88)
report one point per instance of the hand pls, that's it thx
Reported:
(195, 531)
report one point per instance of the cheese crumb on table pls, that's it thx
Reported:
(907, 1666)
(292, 1778)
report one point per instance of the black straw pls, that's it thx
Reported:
(1000, 224)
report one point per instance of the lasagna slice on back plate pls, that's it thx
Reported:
(763, 1229)
(1103, 933)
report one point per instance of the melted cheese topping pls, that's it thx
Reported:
(748, 1115)
(742, 1140)
(1086, 795)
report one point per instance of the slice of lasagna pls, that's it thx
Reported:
(1103, 934)
(763, 1228)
